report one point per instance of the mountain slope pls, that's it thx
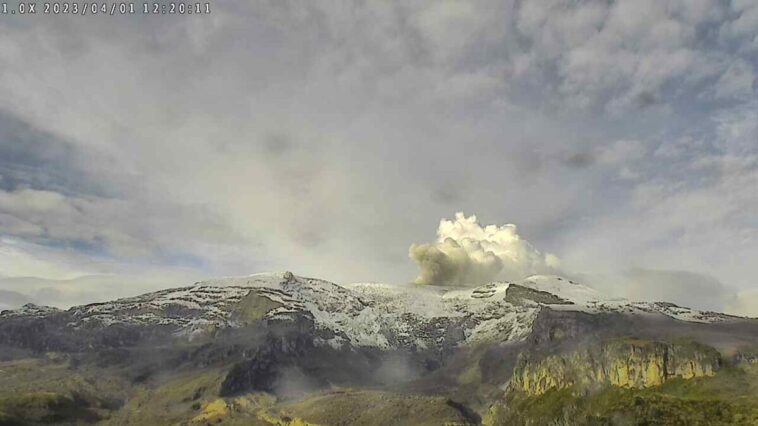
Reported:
(376, 315)
(265, 348)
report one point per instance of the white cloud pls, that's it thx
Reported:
(62, 277)
(745, 304)
(466, 253)
(294, 135)
(18, 260)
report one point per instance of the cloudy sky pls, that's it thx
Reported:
(620, 137)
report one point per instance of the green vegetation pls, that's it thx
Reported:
(364, 407)
(175, 399)
(728, 398)
(39, 391)
(58, 389)
(45, 407)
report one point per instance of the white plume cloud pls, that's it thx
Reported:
(466, 253)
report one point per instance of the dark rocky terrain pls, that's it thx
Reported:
(279, 349)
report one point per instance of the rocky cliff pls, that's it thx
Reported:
(628, 363)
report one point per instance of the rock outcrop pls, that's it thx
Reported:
(629, 363)
(518, 295)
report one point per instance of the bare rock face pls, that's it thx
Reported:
(628, 363)
(518, 295)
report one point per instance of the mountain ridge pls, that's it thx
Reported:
(264, 348)
(209, 303)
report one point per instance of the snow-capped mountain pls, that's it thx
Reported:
(240, 350)
(362, 314)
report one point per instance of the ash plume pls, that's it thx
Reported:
(465, 253)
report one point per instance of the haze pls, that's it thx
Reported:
(327, 138)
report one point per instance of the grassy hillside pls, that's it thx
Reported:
(365, 408)
(728, 398)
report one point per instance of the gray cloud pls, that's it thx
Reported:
(12, 299)
(687, 288)
(325, 139)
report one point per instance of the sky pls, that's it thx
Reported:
(615, 141)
